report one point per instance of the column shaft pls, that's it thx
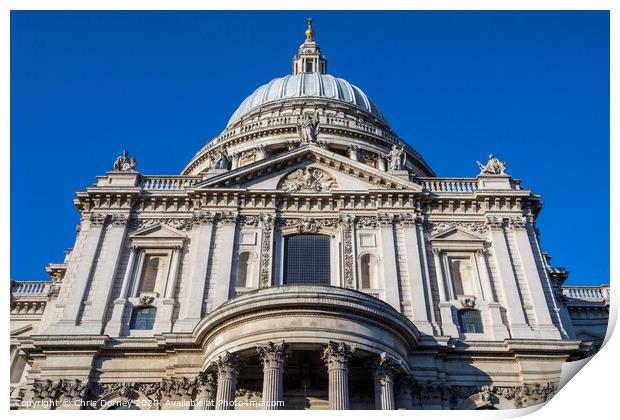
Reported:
(339, 389)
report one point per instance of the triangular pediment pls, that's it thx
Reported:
(345, 174)
(457, 234)
(21, 330)
(158, 231)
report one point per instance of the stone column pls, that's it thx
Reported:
(227, 370)
(483, 272)
(207, 387)
(272, 357)
(174, 272)
(114, 327)
(336, 357)
(445, 308)
(499, 330)
(163, 321)
(385, 370)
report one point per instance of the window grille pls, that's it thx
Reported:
(143, 318)
(307, 259)
(470, 321)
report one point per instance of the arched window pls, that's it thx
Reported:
(369, 269)
(307, 259)
(143, 318)
(470, 321)
(245, 269)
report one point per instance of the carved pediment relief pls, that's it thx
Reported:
(307, 179)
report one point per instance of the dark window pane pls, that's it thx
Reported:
(306, 260)
(143, 318)
(470, 321)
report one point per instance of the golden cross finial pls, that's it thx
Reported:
(309, 31)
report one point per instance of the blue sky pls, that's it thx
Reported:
(532, 87)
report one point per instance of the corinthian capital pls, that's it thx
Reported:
(495, 222)
(272, 355)
(227, 365)
(337, 355)
(385, 367)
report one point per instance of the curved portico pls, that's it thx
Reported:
(332, 323)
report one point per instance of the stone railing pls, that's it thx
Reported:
(594, 294)
(30, 288)
(29, 298)
(460, 185)
(168, 182)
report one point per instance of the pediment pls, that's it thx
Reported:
(457, 234)
(21, 330)
(158, 231)
(323, 169)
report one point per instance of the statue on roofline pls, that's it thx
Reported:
(492, 167)
(124, 163)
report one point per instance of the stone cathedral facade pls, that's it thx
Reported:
(306, 257)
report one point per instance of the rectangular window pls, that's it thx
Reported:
(307, 259)
(308, 67)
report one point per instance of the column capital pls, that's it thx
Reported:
(206, 381)
(385, 367)
(271, 354)
(227, 365)
(337, 355)
(495, 223)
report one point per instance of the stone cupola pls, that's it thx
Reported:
(309, 58)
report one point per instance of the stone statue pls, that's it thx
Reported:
(124, 163)
(397, 158)
(308, 128)
(218, 160)
(492, 167)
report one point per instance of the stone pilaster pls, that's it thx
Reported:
(191, 305)
(207, 387)
(388, 253)
(77, 288)
(228, 225)
(512, 299)
(385, 370)
(404, 391)
(227, 371)
(272, 357)
(541, 309)
(104, 276)
(336, 357)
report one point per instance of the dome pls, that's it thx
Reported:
(307, 85)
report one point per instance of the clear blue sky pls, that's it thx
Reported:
(532, 87)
